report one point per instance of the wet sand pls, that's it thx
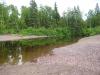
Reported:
(15, 37)
(81, 58)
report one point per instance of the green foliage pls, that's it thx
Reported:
(74, 21)
(57, 32)
(92, 31)
(93, 17)
(25, 16)
(56, 15)
(44, 20)
(46, 17)
(33, 14)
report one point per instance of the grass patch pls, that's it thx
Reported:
(58, 32)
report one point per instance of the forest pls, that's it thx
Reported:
(44, 20)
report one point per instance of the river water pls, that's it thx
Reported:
(20, 52)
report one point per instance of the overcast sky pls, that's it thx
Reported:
(62, 5)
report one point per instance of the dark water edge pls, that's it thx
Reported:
(19, 52)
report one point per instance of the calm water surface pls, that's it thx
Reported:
(19, 52)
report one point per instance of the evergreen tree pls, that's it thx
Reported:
(3, 17)
(90, 19)
(33, 21)
(56, 14)
(97, 9)
(25, 16)
(93, 18)
(13, 17)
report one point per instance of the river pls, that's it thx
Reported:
(20, 52)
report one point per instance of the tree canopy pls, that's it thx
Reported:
(46, 17)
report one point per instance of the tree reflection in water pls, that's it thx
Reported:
(19, 52)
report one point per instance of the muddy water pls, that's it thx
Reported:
(20, 52)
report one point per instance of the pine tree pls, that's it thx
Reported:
(97, 9)
(33, 21)
(3, 16)
(25, 15)
(97, 15)
(13, 17)
(56, 14)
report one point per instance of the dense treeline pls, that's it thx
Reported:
(45, 20)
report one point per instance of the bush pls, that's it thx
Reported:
(58, 32)
(92, 31)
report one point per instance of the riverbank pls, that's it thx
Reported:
(81, 58)
(15, 37)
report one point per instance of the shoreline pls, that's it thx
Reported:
(15, 37)
(80, 58)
